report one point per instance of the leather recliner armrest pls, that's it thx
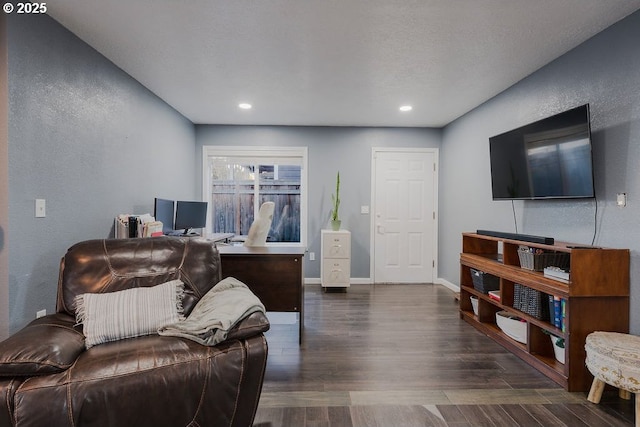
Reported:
(253, 324)
(47, 345)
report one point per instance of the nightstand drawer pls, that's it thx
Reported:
(336, 245)
(336, 272)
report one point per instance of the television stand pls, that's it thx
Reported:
(596, 299)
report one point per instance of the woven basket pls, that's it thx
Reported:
(538, 261)
(483, 282)
(531, 301)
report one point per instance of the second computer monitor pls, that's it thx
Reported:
(190, 215)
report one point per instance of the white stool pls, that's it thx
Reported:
(614, 358)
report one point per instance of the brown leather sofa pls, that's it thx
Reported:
(49, 378)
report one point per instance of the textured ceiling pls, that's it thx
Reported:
(333, 62)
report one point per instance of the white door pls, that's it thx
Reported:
(404, 225)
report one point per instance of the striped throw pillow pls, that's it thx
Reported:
(130, 313)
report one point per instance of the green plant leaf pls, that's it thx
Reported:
(335, 198)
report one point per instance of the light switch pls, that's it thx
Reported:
(41, 208)
(364, 210)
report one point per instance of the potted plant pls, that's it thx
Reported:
(335, 198)
(558, 346)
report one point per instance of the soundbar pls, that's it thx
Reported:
(517, 236)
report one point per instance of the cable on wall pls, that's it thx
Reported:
(595, 221)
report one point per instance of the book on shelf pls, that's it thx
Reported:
(128, 226)
(152, 229)
(495, 295)
(133, 226)
(557, 312)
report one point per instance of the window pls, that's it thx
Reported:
(237, 180)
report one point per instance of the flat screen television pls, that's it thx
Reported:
(547, 159)
(163, 211)
(190, 215)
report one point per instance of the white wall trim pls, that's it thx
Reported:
(274, 154)
(353, 281)
(369, 281)
(447, 284)
(361, 281)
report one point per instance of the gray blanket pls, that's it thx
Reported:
(217, 312)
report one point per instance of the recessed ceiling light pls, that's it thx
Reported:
(405, 108)
(244, 106)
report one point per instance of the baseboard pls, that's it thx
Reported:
(447, 284)
(361, 281)
(367, 281)
(353, 281)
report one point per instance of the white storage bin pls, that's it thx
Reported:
(474, 305)
(512, 326)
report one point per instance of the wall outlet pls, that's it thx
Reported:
(41, 313)
(312, 256)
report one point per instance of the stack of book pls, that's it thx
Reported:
(145, 225)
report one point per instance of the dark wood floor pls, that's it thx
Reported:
(399, 355)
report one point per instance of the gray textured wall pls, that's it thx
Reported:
(604, 72)
(330, 149)
(79, 129)
(4, 181)
(91, 141)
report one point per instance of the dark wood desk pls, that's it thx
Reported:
(273, 273)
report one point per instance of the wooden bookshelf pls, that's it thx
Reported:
(596, 299)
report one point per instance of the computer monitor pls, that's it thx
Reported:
(163, 211)
(190, 215)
